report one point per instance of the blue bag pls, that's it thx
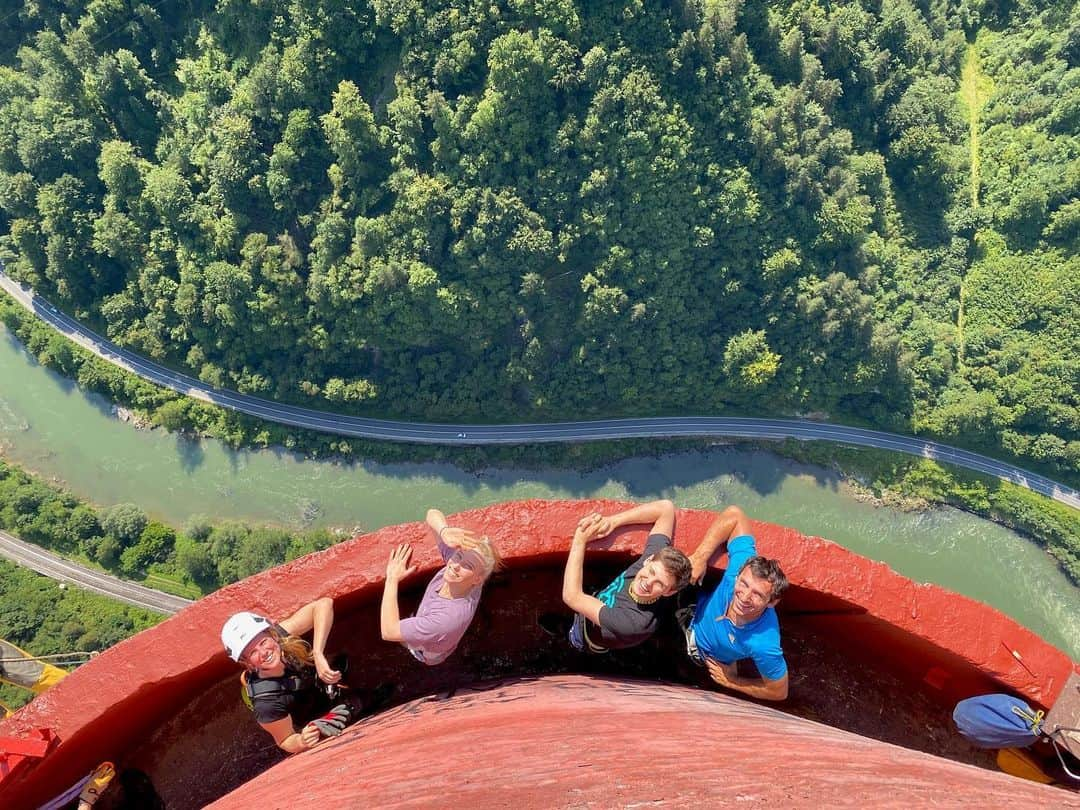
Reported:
(997, 721)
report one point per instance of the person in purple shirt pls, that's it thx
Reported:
(451, 598)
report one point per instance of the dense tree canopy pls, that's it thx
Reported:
(549, 208)
(47, 619)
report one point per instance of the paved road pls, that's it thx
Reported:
(456, 434)
(35, 558)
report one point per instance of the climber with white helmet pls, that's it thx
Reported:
(291, 687)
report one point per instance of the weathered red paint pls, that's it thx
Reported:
(108, 706)
(576, 741)
(21, 752)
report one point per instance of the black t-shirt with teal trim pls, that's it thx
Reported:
(623, 622)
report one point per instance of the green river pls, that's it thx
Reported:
(48, 425)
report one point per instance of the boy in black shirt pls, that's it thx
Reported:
(624, 614)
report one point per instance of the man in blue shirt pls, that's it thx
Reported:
(737, 620)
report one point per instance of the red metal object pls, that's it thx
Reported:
(16, 752)
(109, 707)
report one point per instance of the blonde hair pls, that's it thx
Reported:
(492, 559)
(294, 650)
(486, 551)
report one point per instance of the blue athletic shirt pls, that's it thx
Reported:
(722, 640)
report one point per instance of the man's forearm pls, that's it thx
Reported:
(758, 687)
(643, 513)
(574, 575)
(716, 537)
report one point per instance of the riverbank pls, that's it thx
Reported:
(909, 483)
(895, 478)
(57, 429)
(151, 406)
(125, 541)
(525, 437)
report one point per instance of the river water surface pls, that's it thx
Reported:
(48, 425)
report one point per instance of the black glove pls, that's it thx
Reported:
(334, 721)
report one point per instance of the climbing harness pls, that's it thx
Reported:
(271, 687)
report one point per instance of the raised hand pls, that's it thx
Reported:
(591, 527)
(398, 566)
(456, 537)
(605, 527)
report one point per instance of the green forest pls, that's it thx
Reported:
(511, 209)
(46, 619)
(199, 558)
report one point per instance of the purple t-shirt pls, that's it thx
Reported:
(439, 622)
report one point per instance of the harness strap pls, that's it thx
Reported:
(270, 687)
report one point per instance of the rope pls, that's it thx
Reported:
(88, 654)
(1033, 720)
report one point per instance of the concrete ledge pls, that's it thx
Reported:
(577, 741)
(110, 707)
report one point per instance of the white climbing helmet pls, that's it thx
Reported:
(239, 630)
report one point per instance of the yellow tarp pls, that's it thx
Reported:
(20, 669)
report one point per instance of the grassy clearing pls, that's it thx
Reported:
(975, 90)
(172, 585)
